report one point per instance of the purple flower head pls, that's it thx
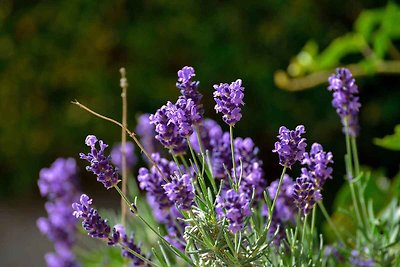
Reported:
(221, 156)
(116, 155)
(100, 164)
(360, 260)
(146, 131)
(189, 88)
(317, 162)
(180, 191)
(250, 167)
(167, 132)
(229, 99)
(210, 133)
(119, 236)
(151, 181)
(183, 114)
(235, 207)
(60, 180)
(291, 146)
(345, 99)
(58, 183)
(305, 194)
(91, 220)
(285, 211)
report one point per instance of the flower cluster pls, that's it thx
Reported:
(163, 208)
(59, 184)
(91, 220)
(116, 155)
(180, 191)
(291, 146)
(183, 114)
(100, 164)
(99, 228)
(229, 99)
(210, 134)
(317, 162)
(357, 259)
(305, 194)
(145, 130)
(235, 207)
(249, 166)
(189, 88)
(167, 132)
(345, 99)
(285, 211)
(119, 236)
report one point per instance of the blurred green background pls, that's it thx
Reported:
(52, 52)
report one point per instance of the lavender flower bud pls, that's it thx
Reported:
(235, 207)
(189, 88)
(291, 146)
(229, 99)
(116, 155)
(146, 131)
(210, 134)
(100, 164)
(305, 194)
(58, 183)
(317, 162)
(167, 132)
(359, 260)
(250, 166)
(180, 191)
(92, 221)
(119, 236)
(345, 99)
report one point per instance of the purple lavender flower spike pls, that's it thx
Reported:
(119, 236)
(317, 162)
(180, 191)
(189, 88)
(345, 99)
(210, 134)
(60, 180)
(146, 131)
(250, 166)
(100, 164)
(221, 157)
(116, 155)
(359, 260)
(91, 220)
(167, 132)
(184, 115)
(229, 99)
(305, 194)
(59, 184)
(291, 146)
(285, 212)
(235, 207)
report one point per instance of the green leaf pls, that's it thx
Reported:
(390, 141)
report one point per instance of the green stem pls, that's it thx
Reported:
(193, 156)
(304, 229)
(355, 156)
(350, 176)
(276, 196)
(312, 226)
(138, 255)
(176, 162)
(184, 162)
(328, 219)
(233, 153)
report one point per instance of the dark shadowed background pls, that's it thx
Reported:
(52, 52)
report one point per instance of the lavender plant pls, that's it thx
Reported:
(208, 197)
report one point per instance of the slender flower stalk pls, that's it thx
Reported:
(124, 172)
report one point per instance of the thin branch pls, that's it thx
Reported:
(283, 81)
(131, 134)
(124, 87)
